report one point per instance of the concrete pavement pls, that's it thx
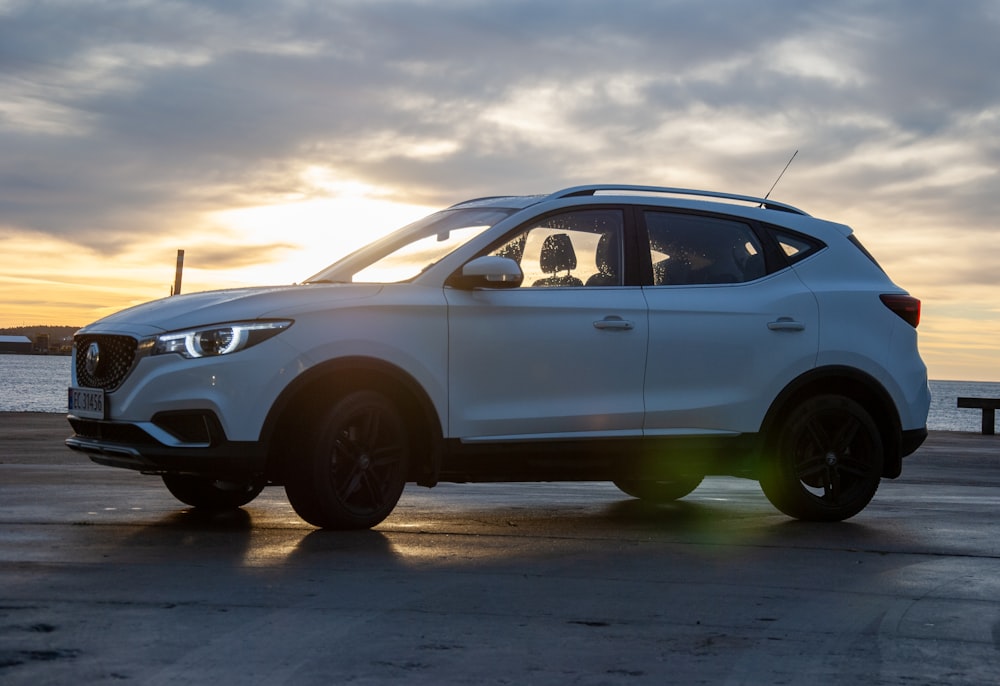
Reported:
(104, 578)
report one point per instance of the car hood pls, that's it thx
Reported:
(233, 305)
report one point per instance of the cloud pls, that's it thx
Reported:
(125, 120)
(223, 257)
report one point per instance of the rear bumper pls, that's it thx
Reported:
(911, 440)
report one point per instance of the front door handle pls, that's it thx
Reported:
(786, 324)
(614, 322)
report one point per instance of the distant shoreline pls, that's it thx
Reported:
(30, 413)
(54, 353)
(37, 383)
(38, 438)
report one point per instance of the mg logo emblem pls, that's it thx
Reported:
(92, 358)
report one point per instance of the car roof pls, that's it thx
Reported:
(523, 201)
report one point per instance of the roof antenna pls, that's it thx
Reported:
(779, 178)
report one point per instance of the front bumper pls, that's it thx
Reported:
(142, 448)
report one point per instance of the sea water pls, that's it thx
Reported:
(37, 383)
(33, 383)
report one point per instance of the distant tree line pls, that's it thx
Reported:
(56, 333)
(45, 340)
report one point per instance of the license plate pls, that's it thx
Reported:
(87, 403)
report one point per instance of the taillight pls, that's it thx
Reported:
(906, 306)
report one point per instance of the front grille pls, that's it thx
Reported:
(115, 355)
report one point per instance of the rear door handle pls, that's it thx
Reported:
(786, 324)
(614, 322)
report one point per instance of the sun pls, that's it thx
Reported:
(268, 244)
(314, 232)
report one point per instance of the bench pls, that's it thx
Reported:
(988, 406)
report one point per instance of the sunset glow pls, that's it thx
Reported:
(266, 141)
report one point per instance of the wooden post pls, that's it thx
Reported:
(178, 273)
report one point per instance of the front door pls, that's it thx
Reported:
(560, 357)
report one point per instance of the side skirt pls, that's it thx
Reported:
(603, 460)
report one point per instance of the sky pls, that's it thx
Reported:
(267, 138)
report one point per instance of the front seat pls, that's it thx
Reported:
(557, 256)
(607, 258)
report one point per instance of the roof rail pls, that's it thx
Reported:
(593, 189)
(482, 199)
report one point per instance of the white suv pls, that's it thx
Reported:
(642, 335)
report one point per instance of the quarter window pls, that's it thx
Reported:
(795, 246)
(689, 249)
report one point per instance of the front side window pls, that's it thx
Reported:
(688, 249)
(574, 249)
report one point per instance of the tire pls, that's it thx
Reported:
(825, 463)
(660, 491)
(353, 464)
(209, 494)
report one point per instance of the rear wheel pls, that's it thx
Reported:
(211, 494)
(660, 491)
(353, 464)
(826, 461)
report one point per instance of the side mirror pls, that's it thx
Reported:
(488, 271)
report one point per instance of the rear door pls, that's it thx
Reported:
(727, 333)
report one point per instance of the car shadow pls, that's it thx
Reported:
(242, 539)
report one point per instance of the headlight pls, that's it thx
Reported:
(217, 339)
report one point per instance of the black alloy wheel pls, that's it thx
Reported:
(211, 494)
(353, 464)
(826, 462)
(660, 491)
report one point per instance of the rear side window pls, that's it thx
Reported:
(688, 249)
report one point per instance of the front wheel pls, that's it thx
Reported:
(660, 491)
(211, 494)
(825, 463)
(353, 464)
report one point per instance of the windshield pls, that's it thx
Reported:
(405, 253)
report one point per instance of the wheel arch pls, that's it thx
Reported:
(316, 388)
(852, 383)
